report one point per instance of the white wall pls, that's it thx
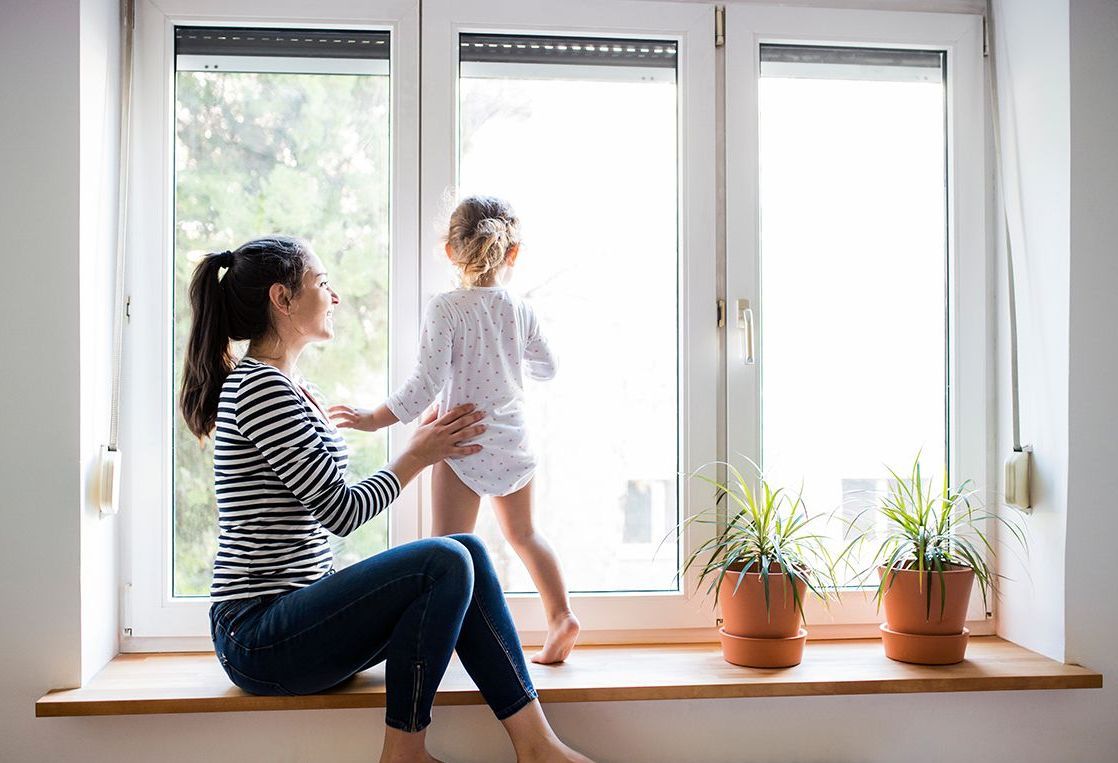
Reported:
(1092, 613)
(99, 54)
(39, 395)
(1033, 80)
(39, 399)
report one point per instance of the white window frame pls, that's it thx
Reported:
(747, 28)
(623, 616)
(152, 619)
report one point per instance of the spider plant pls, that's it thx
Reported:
(932, 531)
(767, 531)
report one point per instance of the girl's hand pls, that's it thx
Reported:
(438, 439)
(346, 417)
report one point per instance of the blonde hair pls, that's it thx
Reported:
(481, 232)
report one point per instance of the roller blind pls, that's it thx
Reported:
(834, 62)
(280, 43)
(597, 51)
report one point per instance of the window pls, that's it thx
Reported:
(854, 222)
(317, 127)
(602, 142)
(855, 366)
(580, 134)
(244, 127)
(855, 244)
(284, 130)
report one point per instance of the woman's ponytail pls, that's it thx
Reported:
(230, 303)
(209, 358)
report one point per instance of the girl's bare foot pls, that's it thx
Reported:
(561, 637)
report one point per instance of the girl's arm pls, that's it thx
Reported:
(425, 382)
(538, 357)
(270, 414)
(364, 419)
(431, 371)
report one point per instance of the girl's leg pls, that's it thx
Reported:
(454, 506)
(490, 651)
(404, 605)
(514, 512)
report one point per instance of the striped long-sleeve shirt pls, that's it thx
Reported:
(279, 471)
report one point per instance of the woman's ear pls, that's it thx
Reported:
(449, 251)
(280, 297)
(511, 255)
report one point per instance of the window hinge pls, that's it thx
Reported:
(128, 309)
(719, 26)
(721, 312)
(985, 36)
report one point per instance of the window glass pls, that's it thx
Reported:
(853, 269)
(580, 136)
(284, 132)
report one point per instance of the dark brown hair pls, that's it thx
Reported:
(229, 302)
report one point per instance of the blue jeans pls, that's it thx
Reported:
(410, 606)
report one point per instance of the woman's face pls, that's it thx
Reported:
(312, 308)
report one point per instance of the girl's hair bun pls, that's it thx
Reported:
(491, 226)
(482, 229)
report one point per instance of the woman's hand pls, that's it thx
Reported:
(439, 438)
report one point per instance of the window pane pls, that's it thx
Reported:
(582, 142)
(853, 270)
(259, 152)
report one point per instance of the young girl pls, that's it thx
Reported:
(477, 344)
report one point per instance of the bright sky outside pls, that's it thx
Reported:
(590, 166)
(853, 284)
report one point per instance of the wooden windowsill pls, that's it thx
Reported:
(194, 682)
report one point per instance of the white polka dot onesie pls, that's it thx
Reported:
(476, 346)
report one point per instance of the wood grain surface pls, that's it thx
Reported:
(194, 682)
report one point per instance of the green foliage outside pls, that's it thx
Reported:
(303, 155)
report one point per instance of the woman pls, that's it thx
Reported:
(283, 622)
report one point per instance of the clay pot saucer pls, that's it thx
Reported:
(763, 652)
(921, 649)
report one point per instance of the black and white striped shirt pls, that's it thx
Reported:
(279, 473)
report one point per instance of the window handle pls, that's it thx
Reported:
(745, 328)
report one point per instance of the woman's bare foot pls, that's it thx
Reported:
(404, 747)
(561, 637)
(400, 756)
(534, 741)
(558, 753)
(422, 757)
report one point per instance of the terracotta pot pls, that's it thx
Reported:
(906, 600)
(744, 613)
(763, 652)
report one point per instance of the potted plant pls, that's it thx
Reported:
(760, 566)
(929, 554)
